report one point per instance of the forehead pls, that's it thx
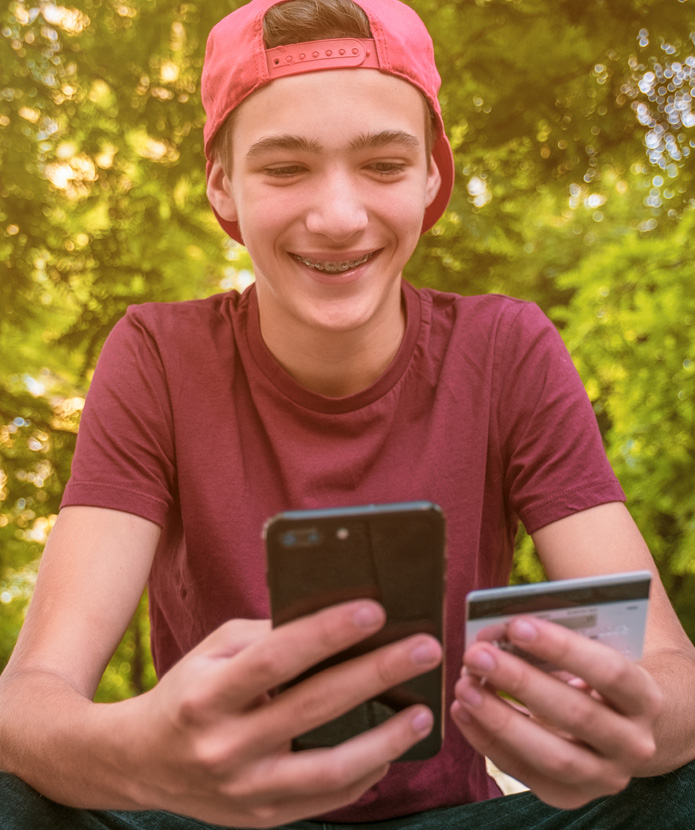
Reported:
(332, 105)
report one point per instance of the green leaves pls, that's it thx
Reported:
(573, 130)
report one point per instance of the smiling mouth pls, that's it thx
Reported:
(333, 267)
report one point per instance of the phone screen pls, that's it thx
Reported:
(394, 554)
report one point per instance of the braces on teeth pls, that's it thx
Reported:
(333, 267)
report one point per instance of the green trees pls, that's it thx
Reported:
(573, 126)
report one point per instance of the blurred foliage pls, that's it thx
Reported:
(573, 129)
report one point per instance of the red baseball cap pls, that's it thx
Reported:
(237, 64)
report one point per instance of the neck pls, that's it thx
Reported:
(336, 363)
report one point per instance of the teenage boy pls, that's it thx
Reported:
(331, 382)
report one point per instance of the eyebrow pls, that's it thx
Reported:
(383, 139)
(306, 145)
(283, 142)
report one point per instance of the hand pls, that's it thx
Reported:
(576, 740)
(218, 746)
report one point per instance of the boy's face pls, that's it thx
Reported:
(329, 182)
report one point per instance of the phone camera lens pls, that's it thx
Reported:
(289, 540)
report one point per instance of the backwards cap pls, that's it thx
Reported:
(237, 64)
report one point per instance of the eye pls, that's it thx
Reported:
(387, 169)
(284, 172)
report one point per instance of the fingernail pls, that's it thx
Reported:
(523, 630)
(482, 660)
(368, 616)
(425, 653)
(423, 722)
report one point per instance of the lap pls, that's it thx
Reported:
(664, 801)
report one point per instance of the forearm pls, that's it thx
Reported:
(674, 672)
(68, 748)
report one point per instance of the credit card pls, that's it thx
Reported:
(609, 609)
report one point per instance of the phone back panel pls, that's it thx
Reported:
(394, 554)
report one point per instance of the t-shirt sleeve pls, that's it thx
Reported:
(124, 458)
(553, 455)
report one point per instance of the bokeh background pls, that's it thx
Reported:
(573, 125)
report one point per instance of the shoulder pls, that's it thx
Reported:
(188, 327)
(489, 306)
(166, 316)
(494, 318)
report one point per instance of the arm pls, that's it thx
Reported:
(669, 656)
(584, 739)
(208, 741)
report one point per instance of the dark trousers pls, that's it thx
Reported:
(666, 802)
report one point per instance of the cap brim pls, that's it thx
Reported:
(444, 159)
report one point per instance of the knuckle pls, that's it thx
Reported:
(565, 765)
(655, 701)
(518, 678)
(387, 671)
(618, 672)
(330, 632)
(333, 776)
(582, 715)
(267, 665)
(644, 749)
(311, 707)
(211, 756)
(193, 708)
(557, 642)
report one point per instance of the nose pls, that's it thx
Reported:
(338, 210)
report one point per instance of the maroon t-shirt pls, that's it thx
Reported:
(191, 423)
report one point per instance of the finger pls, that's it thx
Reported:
(516, 763)
(231, 638)
(564, 708)
(289, 650)
(337, 772)
(625, 684)
(249, 801)
(320, 803)
(525, 749)
(322, 697)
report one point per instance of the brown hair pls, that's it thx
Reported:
(301, 21)
(304, 20)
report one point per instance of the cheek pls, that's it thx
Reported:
(266, 213)
(266, 217)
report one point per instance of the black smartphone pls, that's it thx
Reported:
(392, 553)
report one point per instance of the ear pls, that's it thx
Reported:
(220, 192)
(434, 182)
